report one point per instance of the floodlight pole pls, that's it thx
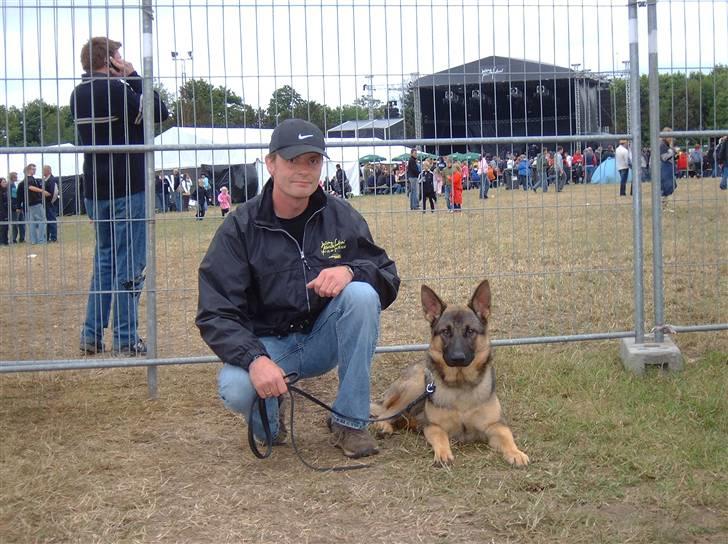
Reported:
(177, 58)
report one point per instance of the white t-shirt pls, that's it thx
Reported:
(622, 157)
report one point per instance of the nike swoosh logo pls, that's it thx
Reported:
(304, 136)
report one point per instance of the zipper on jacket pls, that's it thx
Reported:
(304, 262)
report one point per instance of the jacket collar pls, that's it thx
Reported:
(266, 215)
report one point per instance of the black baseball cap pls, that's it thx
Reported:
(294, 137)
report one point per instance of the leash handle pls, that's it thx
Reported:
(291, 378)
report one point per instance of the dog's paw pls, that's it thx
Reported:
(382, 428)
(516, 457)
(443, 458)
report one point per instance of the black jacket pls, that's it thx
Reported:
(252, 281)
(199, 193)
(5, 203)
(108, 111)
(413, 170)
(26, 197)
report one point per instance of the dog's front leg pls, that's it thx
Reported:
(440, 442)
(500, 438)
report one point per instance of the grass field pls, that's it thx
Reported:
(615, 458)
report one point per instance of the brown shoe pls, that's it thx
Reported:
(354, 443)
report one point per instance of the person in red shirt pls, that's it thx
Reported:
(457, 188)
(577, 166)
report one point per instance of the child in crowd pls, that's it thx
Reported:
(457, 188)
(224, 199)
(199, 193)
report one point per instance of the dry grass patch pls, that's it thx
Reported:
(614, 458)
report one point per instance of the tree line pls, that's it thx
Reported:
(691, 101)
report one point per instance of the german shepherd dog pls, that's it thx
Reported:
(464, 406)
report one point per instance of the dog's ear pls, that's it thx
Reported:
(431, 304)
(480, 303)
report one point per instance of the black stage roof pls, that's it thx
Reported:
(498, 69)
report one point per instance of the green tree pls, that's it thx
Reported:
(203, 105)
(285, 103)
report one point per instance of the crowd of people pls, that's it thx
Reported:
(534, 169)
(31, 205)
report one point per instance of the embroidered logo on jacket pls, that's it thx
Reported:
(332, 249)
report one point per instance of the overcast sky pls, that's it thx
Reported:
(325, 49)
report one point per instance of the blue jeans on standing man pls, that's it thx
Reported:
(52, 224)
(37, 224)
(414, 193)
(118, 269)
(724, 177)
(345, 334)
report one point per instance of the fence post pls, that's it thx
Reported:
(636, 130)
(638, 355)
(655, 171)
(151, 271)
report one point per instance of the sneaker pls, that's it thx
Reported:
(89, 347)
(282, 429)
(135, 350)
(355, 443)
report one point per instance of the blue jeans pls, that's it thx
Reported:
(414, 193)
(724, 177)
(37, 224)
(52, 225)
(345, 334)
(119, 260)
(589, 172)
(178, 201)
(17, 226)
(484, 187)
(446, 189)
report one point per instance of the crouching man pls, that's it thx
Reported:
(293, 282)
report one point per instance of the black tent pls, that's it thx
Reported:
(70, 195)
(240, 179)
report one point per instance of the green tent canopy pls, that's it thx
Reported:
(371, 158)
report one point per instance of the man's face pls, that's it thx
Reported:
(31, 170)
(46, 171)
(296, 178)
(13, 177)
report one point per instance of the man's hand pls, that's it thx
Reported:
(331, 281)
(119, 67)
(267, 377)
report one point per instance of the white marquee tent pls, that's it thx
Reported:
(348, 157)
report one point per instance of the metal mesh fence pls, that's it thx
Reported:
(498, 88)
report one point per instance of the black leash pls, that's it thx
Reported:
(292, 378)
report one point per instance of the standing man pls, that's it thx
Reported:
(107, 110)
(721, 159)
(542, 165)
(413, 174)
(17, 215)
(341, 181)
(30, 199)
(293, 282)
(559, 169)
(623, 160)
(50, 183)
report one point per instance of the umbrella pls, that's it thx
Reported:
(371, 158)
(471, 156)
(421, 155)
(457, 156)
